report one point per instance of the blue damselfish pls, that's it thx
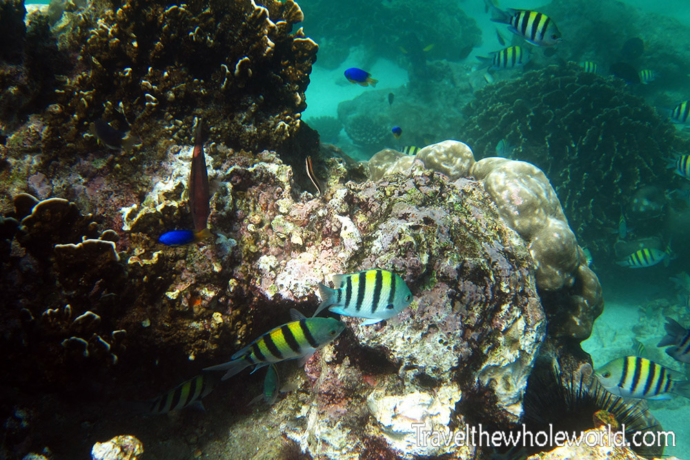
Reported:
(359, 76)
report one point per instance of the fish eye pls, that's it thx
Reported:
(332, 332)
(408, 297)
(606, 375)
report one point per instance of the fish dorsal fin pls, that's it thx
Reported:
(296, 316)
(339, 280)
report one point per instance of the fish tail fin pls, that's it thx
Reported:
(372, 81)
(327, 298)
(485, 60)
(130, 141)
(233, 367)
(682, 388)
(203, 234)
(497, 14)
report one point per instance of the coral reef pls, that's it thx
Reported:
(145, 63)
(367, 131)
(327, 127)
(543, 113)
(337, 28)
(30, 63)
(124, 447)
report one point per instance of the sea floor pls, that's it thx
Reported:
(627, 315)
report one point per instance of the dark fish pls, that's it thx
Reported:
(177, 238)
(397, 132)
(501, 40)
(199, 194)
(359, 76)
(391, 96)
(679, 337)
(113, 138)
(312, 175)
(184, 395)
(625, 72)
(632, 48)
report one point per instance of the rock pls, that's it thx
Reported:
(124, 447)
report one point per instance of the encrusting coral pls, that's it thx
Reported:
(144, 63)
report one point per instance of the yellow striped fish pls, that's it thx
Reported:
(636, 377)
(643, 258)
(680, 165)
(647, 76)
(639, 348)
(298, 339)
(507, 58)
(589, 66)
(184, 395)
(681, 113)
(537, 28)
(410, 150)
(373, 294)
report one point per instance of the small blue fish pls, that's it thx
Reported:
(372, 294)
(182, 237)
(397, 132)
(359, 76)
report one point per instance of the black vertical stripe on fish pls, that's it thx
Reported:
(662, 378)
(524, 22)
(340, 294)
(312, 176)
(391, 294)
(361, 288)
(624, 374)
(542, 30)
(249, 359)
(176, 398)
(290, 338)
(348, 291)
(257, 351)
(271, 346)
(307, 333)
(636, 374)
(669, 382)
(650, 380)
(684, 111)
(534, 29)
(378, 286)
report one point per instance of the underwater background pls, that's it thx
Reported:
(185, 183)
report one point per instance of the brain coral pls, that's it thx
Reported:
(152, 63)
(595, 141)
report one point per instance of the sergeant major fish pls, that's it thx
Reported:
(646, 257)
(372, 294)
(537, 28)
(298, 339)
(507, 58)
(679, 337)
(636, 377)
(680, 165)
(189, 393)
(681, 113)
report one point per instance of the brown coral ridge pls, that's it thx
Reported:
(595, 141)
(29, 65)
(151, 61)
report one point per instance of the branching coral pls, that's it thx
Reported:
(595, 141)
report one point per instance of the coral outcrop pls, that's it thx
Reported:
(564, 120)
(145, 63)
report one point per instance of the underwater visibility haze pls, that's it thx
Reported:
(382, 229)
